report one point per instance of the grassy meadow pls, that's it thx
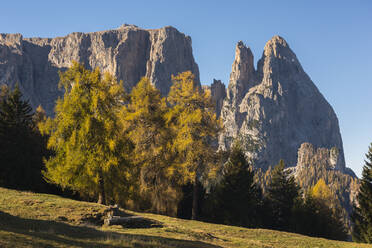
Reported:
(41, 220)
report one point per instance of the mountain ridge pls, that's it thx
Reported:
(128, 52)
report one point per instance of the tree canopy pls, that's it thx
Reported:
(90, 155)
(236, 198)
(282, 194)
(193, 120)
(362, 215)
(143, 121)
(21, 146)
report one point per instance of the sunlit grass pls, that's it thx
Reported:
(40, 220)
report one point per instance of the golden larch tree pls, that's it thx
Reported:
(193, 120)
(90, 155)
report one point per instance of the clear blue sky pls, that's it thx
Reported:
(332, 39)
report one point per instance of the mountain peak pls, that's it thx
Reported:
(276, 39)
(125, 25)
(242, 49)
(243, 62)
(276, 108)
(275, 46)
(242, 71)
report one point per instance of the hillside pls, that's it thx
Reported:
(41, 220)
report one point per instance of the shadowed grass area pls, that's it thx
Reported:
(19, 232)
(41, 220)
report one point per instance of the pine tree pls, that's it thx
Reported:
(362, 215)
(282, 194)
(90, 155)
(21, 151)
(236, 198)
(15, 111)
(143, 120)
(193, 121)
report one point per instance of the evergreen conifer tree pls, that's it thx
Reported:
(362, 215)
(21, 150)
(236, 198)
(282, 194)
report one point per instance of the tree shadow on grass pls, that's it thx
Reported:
(44, 233)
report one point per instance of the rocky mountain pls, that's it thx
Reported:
(308, 156)
(128, 52)
(319, 163)
(276, 108)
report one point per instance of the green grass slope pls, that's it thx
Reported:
(41, 220)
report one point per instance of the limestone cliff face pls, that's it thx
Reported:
(127, 52)
(276, 108)
(170, 54)
(327, 159)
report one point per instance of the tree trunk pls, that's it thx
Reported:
(195, 200)
(101, 190)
